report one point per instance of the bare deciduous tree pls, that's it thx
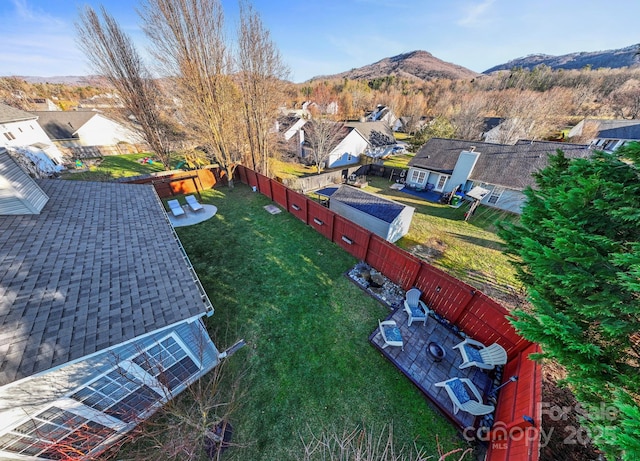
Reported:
(260, 72)
(469, 118)
(188, 40)
(114, 56)
(322, 135)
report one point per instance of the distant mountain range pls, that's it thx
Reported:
(416, 65)
(71, 80)
(622, 57)
(422, 65)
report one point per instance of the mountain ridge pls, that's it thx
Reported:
(416, 65)
(613, 59)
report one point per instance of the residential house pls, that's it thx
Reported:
(100, 313)
(289, 128)
(43, 104)
(381, 114)
(85, 128)
(443, 165)
(606, 135)
(351, 144)
(507, 131)
(23, 136)
(379, 137)
(386, 218)
(409, 124)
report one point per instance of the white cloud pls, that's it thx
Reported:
(474, 13)
(26, 14)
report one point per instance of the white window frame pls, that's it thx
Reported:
(72, 406)
(151, 378)
(496, 192)
(141, 375)
(443, 178)
(418, 177)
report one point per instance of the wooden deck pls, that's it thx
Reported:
(418, 365)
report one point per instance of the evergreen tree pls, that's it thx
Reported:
(577, 249)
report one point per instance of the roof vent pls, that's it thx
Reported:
(472, 148)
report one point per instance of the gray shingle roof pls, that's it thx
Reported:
(381, 208)
(63, 124)
(618, 129)
(500, 164)
(98, 266)
(366, 128)
(11, 114)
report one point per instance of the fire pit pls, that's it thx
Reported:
(436, 351)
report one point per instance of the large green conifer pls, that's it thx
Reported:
(577, 249)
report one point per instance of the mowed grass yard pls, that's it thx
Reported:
(468, 250)
(308, 367)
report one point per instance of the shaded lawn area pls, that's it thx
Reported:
(308, 366)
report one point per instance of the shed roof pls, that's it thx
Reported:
(506, 165)
(100, 265)
(374, 205)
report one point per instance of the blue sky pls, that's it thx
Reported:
(321, 37)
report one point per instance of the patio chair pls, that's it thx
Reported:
(390, 334)
(457, 390)
(175, 208)
(193, 203)
(475, 353)
(415, 308)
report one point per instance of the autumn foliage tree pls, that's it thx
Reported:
(578, 253)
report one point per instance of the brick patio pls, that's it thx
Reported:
(418, 365)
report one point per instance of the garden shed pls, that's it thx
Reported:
(386, 218)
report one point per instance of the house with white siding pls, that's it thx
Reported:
(98, 328)
(442, 165)
(350, 144)
(22, 135)
(85, 128)
(606, 134)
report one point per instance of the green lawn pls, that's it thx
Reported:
(308, 366)
(470, 251)
(117, 166)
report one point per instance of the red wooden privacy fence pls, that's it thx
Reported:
(475, 313)
(169, 184)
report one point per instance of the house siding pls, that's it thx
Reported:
(100, 131)
(348, 151)
(391, 232)
(18, 193)
(24, 399)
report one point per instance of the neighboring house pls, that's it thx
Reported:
(607, 135)
(409, 124)
(85, 128)
(100, 314)
(22, 134)
(289, 128)
(43, 104)
(351, 145)
(504, 170)
(508, 131)
(381, 114)
(102, 101)
(379, 137)
(386, 218)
